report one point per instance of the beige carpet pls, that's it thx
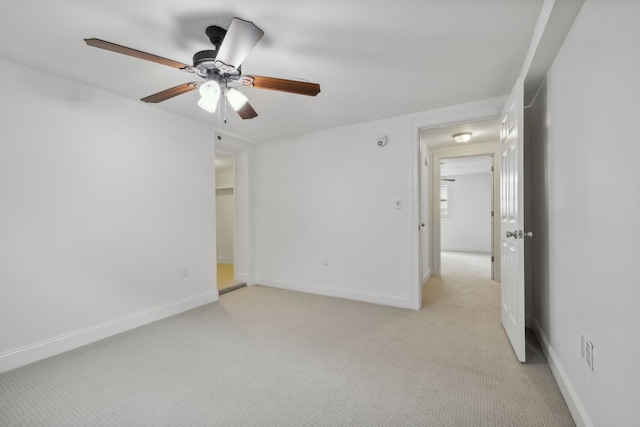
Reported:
(270, 357)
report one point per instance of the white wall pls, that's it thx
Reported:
(225, 213)
(469, 226)
(225, 177)
(333, 194)
(586, 208)
(104, 200)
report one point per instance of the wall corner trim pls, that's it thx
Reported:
(41, 350)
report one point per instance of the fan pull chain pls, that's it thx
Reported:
(218, 117)
(225, 110)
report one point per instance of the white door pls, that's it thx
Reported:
(512, 220)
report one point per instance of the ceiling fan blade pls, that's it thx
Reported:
(247, 111)
(170, 93)
(136, 53)
(241, 37)
(282, 85)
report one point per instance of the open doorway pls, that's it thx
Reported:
(466, 206)
(456, 162)
(225, 224)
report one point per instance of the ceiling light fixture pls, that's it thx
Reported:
(462, 137)
(209, 96)
(236, 98)
(207, 105)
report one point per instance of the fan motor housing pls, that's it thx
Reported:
(204, 56)
(204, 63)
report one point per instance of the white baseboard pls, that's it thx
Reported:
(41, 350)
(244, 277)
(426, 276)
(332, 291)
(577, 409)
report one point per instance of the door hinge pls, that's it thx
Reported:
(493, 259)
(491, 168)
(492, 214)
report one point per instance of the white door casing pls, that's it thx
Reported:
(512, 220)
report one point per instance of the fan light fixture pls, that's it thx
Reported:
(208, 106)
(209, 96)
(462, 137)
(219, 67)
(236, 98)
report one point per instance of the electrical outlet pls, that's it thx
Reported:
(589, 354)
(325, 260)
(185, 271)
(582, 344)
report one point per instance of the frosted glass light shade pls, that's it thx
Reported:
(462, 137)
(236, 99)
(210, 91)
(208, 105)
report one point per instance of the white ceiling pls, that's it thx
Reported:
(372, 60)
(481, 131)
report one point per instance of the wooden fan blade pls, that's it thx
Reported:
(282, 85)
(241, 37)
(247, 111)
(170, 93)
(136, 53)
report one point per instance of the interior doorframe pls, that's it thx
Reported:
(484, 149)
(465, 113)
(220, 152)
(243, 220)
(241, 149)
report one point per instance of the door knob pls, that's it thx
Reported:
(519, 234)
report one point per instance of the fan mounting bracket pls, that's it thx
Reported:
(216, 35)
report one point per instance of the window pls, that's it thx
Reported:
(445, 199)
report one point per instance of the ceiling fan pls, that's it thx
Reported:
(220, 69)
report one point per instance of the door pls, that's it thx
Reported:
(512, 220)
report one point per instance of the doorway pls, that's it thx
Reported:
(466, 208)
(484, 144)
(225, 224)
